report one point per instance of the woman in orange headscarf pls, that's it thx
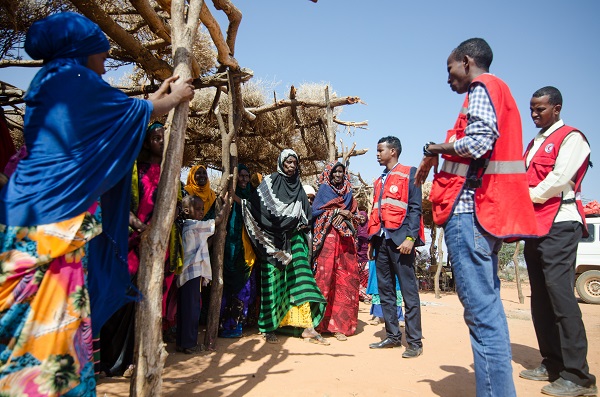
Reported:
(198, 184)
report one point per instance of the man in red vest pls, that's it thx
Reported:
(557, 160)
(480, 197)
(395, 228)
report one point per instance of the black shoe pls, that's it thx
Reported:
(565, 388)
(387, 343)
(539, 373)
(412, 352)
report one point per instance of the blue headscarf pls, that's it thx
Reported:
(82, 136)
(65, 35)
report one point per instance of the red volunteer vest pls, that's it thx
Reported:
(541, 164)
(502, 204)
(394, 202)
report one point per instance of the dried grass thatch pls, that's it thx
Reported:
(260, 140)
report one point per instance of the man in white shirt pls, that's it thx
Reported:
(557, 159)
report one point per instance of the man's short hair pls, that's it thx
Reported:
(476, 48)
(554, 95)
(392, 142)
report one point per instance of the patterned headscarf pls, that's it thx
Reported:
(327, 175)
(207, 195)
(277, 210)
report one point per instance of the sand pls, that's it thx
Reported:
(250, 367)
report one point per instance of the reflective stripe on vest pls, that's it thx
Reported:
(455, 168)
(391, 201)
(494, 167)
(402, 174)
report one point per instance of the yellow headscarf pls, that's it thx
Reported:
(205, 193)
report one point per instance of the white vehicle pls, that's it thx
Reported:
(587, 268)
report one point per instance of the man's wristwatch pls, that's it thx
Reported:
(426, 151)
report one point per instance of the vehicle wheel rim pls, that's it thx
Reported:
(593, 287)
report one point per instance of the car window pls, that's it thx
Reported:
(592, 231)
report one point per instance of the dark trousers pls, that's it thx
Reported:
(556, 315)
(188, 313)
(389, 264)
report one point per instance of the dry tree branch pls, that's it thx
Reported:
(346, 153)
(154, 21)
(356, 124)
(348, 100)
(6, 63)
(235, 17)
(224, 53)
(154, 66)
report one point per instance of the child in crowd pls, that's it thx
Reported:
(196, 270)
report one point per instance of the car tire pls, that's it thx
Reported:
(588, 286)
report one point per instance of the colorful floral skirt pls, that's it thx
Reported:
(45, 322)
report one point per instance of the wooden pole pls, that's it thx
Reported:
(150, 353)
(432, 248)
(440, 263)
(517, 276)
(332, 150)
(228, 182)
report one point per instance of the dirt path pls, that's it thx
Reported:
(251, 367)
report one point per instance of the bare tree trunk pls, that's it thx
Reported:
(150, 353)
(432, 247)
(517, 276)
(229, 160)
(130, 44)
(440, 263)
(332, 153)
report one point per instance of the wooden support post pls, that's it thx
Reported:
(150, 353)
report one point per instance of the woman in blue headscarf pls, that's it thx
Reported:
(58, 282)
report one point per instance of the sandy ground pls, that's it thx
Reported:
(251, 367)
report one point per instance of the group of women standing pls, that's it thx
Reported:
(289, 234)
(64, 217)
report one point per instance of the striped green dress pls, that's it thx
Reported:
(292, 287)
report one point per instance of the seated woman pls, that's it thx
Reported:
(277, 217)
(334, 251)
(239, 272)
(64, 211)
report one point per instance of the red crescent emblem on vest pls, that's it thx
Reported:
(549, 147)
(393, 189)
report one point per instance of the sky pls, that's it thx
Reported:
(392, 54)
